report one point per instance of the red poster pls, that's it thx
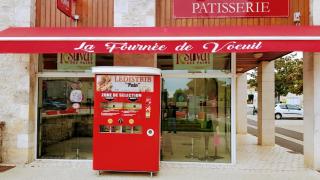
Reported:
(230, 8)
(65, 6)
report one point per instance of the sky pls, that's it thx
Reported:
(299, 56)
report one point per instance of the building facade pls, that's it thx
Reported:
(203, 102)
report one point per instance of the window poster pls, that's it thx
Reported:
(193, 61)
(76, 61)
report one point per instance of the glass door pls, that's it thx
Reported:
(196, 119)
(65, 117)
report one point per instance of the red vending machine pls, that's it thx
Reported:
(126, 127)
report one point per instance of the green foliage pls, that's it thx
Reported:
(288, 76)
(177, 93)
(253, 83)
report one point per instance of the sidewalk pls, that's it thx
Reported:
(254, 162)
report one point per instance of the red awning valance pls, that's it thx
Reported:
(160, 40)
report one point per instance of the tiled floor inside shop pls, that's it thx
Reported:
(74, 148)
(253, 162)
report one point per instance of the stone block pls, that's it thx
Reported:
(134, 13)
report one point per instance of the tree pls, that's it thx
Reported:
(253, 83)
(288, 76)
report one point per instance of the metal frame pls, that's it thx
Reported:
(233, 108)
(50, 74)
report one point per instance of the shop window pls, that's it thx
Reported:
(65, 118)
(196, 120)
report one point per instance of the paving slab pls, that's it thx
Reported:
(253, 162)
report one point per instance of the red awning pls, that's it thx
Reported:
(160, 40)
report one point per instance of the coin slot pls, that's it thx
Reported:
(111, 105)
(132, 106)
(150, 132)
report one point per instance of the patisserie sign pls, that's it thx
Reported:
(230, 8)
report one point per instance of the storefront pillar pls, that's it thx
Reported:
(266, 122)
(311, 99)
(311, 91)
(17, 75)
(135, 13)
(241, 109)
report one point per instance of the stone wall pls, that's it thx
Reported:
(16, 88)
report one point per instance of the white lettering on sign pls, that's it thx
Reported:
(183, 47)
(232, 46)
(111, 46)
(85, 47)
(224, 8)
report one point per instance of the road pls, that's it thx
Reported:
(290, 139)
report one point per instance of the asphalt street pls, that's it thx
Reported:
(284, 137)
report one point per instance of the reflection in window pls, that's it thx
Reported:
(196, 119)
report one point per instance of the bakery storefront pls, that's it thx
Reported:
(200, 50)
(198, 83)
